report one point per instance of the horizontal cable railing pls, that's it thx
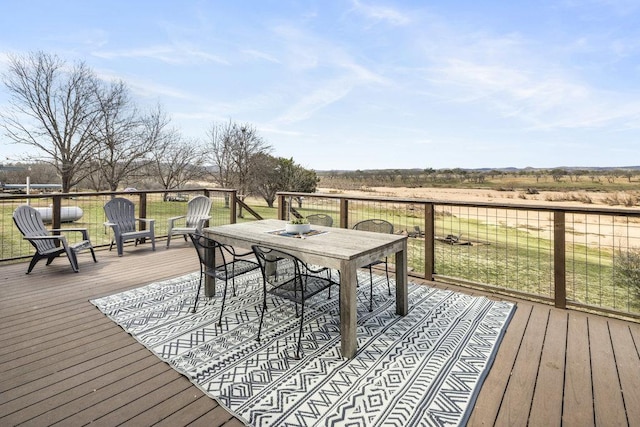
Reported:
(582, 257)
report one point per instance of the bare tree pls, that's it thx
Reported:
(233, 150)
(175, 162)
(124, 138)
(53, 108)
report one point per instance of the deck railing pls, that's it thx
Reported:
(582, 257)
(159, 205)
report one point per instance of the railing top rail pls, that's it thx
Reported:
(102, 193)
(515, 206)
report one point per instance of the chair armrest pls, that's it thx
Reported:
(61, 239)
(45, 238)
(315, 268)
(150, 222)
(84, 231)
(201, 221)
(171, 221)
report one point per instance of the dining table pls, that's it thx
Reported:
(341, 249)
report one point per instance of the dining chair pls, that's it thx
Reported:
(121, 217)
(320, 219)
(291, 279)
(232, 264)
(198, 213)
(47, 244)
(378, 226)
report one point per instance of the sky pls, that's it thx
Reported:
(366, 84)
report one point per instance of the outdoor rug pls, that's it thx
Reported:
(425, 368)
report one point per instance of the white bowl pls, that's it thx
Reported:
(297, 228)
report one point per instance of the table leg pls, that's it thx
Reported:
(348, 309)
(402, 293)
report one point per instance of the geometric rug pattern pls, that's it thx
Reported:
(423, 369)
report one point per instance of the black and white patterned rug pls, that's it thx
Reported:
(422, 369)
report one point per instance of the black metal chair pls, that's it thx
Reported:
(378, 226)
(233, 264)
(48, 245)
(320, 219)
(291, 279)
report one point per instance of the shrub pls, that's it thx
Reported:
(626, 270)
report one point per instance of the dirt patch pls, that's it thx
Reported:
(592, 230)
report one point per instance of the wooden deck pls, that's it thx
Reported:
(63, 362)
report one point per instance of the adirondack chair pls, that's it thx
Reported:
(121, 217)
(198, 212)
(49, 246)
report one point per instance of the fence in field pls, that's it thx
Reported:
(580, 257)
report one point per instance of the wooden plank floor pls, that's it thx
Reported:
(62, 362)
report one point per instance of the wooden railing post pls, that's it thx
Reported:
(56, 214)
(429, 241)
(282, 207)
(143, 210)
(559, 257)
(232, 207)
(344, 213)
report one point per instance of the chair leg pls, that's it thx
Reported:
(386, 269)
(370, 289)
(224, 299)
(195, 303)
(93, 254)
(73, 259)
(264, 307)
(169, 239)
(300, 332)
(119, 246)
(33, 262)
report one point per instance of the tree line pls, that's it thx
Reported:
(458, 176)
(92, 135)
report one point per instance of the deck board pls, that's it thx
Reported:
(607, 399)
(545, 411)
(523, 377)
(627, 364)
(62, 361)
(578, 396)
(489, 400)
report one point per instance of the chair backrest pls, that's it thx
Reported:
(288, 266)
(202, 245)
(29, 222)
(121, 211)
(320, 219)
(377, 225)
(199, 207)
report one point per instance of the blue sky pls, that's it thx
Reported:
(367, 84)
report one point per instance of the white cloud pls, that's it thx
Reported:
(170, 54)
(381, 13)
